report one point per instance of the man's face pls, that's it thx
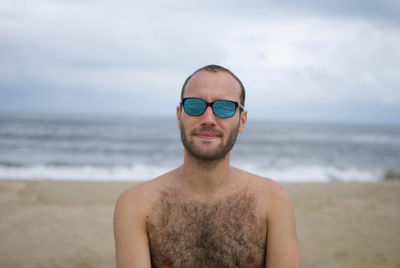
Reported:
(207, 136)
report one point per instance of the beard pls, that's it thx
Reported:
(200, 152)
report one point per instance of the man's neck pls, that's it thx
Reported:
(205, 177)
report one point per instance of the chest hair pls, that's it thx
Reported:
(223, 233)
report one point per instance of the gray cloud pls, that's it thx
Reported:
(102, 56)
(385, 11)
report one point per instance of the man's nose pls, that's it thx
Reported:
(208, 116)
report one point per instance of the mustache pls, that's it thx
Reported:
(207, 130)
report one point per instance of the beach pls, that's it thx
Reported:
(69, 223)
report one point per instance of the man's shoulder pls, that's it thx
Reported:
(144, 193)
(265, 187)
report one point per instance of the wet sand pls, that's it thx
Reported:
(69, 223)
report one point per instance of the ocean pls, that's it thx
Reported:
(137, 148)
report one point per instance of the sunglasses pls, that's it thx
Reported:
(221, 108)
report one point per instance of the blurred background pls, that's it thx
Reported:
(88, 89)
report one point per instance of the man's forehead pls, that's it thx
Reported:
(220, 80)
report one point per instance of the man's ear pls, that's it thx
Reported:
(178, 115)
(243, 120)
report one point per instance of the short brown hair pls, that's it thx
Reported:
(217, 68)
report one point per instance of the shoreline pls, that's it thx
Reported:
(49, 223)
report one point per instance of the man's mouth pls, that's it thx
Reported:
(207, 135)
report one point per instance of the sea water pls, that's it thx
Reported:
(138, 148)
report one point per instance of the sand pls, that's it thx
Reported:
(69, 224)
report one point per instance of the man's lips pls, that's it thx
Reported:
(207, 135)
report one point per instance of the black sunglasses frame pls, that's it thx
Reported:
(212, 107)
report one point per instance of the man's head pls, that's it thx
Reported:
(217, 68)
(208, 136)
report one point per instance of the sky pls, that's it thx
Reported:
(324, 61)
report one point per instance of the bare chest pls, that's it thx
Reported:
(226, 233)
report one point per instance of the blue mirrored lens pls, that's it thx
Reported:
(194, 106)
(224, 109)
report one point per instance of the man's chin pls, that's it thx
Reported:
(209, 153)
(206, 156)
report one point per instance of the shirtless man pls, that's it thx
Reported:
(207, 213)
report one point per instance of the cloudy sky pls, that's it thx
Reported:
(299, 60)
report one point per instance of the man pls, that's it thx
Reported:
(207, 213)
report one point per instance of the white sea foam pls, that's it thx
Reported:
(325, 174)
(90, 173)
(316, 173)
(142, 172)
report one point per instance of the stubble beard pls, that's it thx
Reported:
(218, 153)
